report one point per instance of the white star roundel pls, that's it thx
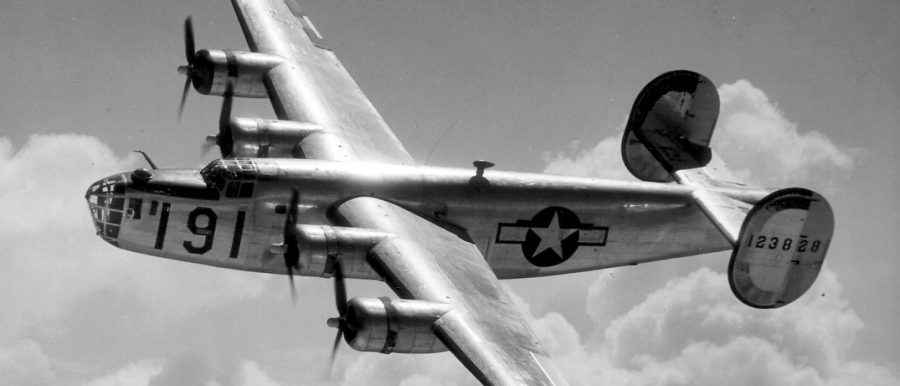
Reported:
(551, 237)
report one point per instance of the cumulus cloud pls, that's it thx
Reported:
(693, 331)
(62, 283)
(134, 374)
(187, 370)
(25, 364)
(755, 137)
(604, 160)
(441, 369)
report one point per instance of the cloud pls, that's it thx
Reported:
(755, 137)
(251, 374)
(134, 374)
(693, 331)
(752, 135)
(603, 160)
(187, 370)
(25, 364)
(68, 290)
(440, 369)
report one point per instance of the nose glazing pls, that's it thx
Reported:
(106, 201)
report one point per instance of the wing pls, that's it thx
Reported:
(428, 262)
(312, 86)
(423, 260)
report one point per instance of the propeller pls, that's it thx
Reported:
(223, 139)
(340, 299)
(291, 243)
(187, 70)
(292, 260)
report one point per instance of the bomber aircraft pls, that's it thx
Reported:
(327, 190)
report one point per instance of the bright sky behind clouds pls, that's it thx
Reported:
(809, 97)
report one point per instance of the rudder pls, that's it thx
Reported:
(781, 248)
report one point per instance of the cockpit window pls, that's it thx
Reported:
(236, 189)
(235, 176)
(107, 203)
(246, 190)
(232, 189)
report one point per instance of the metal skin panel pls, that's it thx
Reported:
(495, 345)
(639, 222)
(783, 244)
(672, 119)
(256, 137)
(243, 70)
(320, 246)
(221, 233)
(312, 86)
(394, 325)
(618, 223)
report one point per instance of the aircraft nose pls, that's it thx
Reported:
(106, 201)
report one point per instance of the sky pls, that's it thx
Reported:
(810, 93)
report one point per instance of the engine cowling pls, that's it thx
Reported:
(393, 325)
(321, 245)
(256, 137)
(212, 70)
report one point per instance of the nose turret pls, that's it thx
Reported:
(106, 201)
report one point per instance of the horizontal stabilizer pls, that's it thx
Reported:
(781, 248)
(779, 238)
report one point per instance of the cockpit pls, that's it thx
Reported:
(121, 196)
(236, 178)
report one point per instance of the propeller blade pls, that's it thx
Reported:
(340, 291)
(290, 272)
(187, 70)
(340, 299)
(225, 115)
(187, 86)
(189, 40)
(292, 249)
(334, 348)
(224, 139)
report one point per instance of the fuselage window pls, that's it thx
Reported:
(246, 190)
(232, 189)
(134, 208)
(237, 189)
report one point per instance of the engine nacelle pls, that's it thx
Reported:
(321, 245)
(256, 137)
(212, 70)
(393, 325)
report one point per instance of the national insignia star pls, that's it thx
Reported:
(552, 236)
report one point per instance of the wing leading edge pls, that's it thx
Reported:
(312, 86)
(422, 260)
(425, 261)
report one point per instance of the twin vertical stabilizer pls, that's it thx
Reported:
(779, 239)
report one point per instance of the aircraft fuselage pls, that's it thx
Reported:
(232, 214)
